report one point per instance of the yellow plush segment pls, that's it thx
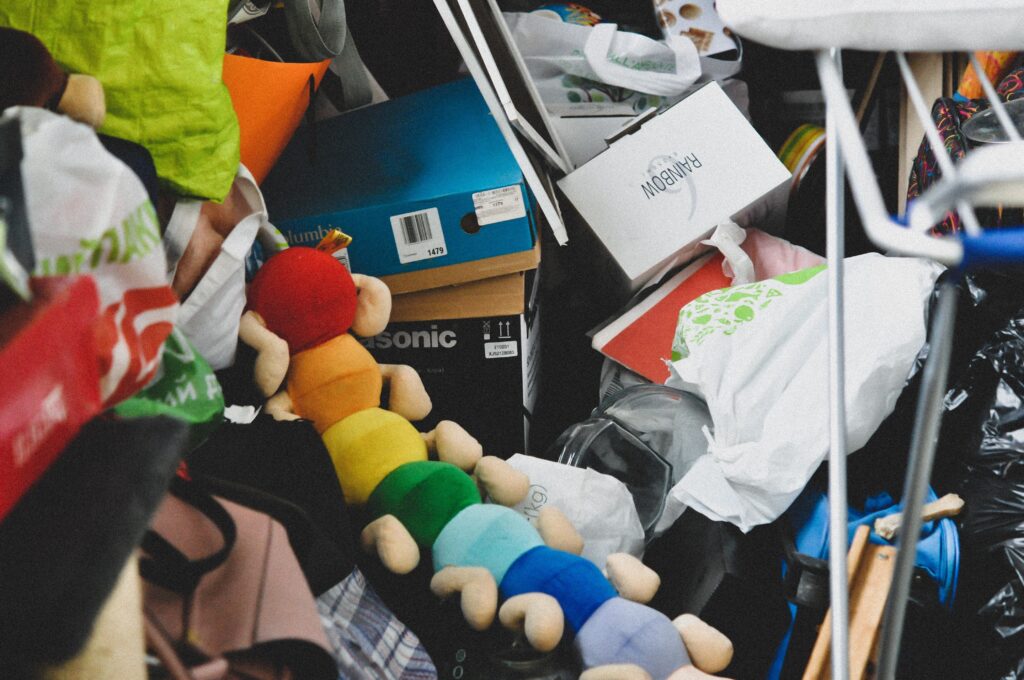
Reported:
(333, 380)
(367, 446)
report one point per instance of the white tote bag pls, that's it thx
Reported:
(210, 314)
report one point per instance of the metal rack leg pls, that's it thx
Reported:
(834, 216)
(919, 471)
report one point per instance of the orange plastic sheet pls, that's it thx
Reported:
(270, 99)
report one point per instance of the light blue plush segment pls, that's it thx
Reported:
(489, 536)
(621, 631)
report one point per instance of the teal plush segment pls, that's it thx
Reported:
(160, 64)
(489, 536)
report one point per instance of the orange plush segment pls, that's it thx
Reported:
(334, 380)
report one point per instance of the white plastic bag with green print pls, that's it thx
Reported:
(90, 214)
(758, 354)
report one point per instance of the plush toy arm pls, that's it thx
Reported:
(709, 649)
(501, 482)
(477, 588)
(617, 671)
(690, 673)
(84, 100)
(450, 443)
(373, 305)
(272, 355)
(407, 397)
(538, 615)
(632, 578)
(279, 407)
(391, 541)
(557, 531)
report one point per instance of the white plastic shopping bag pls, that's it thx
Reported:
(90, 214)
(758, 355)
(600, 69)
(598, 505)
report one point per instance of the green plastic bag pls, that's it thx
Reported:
(185, 388)
(160, 65)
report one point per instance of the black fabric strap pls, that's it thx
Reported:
(166, 566)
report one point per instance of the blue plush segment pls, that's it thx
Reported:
(576, 583)
(621, 631)
(489, 536)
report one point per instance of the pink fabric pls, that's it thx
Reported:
(773, 256)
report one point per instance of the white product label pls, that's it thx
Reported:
(342, 257)
(418, 235)
(501, 350)
(499, 205)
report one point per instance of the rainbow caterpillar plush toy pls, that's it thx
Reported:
(302, 304)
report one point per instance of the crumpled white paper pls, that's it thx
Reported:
(758, 355)
(598, 505)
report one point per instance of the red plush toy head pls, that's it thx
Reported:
(305, 296)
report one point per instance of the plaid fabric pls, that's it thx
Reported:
(368, 641)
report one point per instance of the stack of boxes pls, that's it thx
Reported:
(436, 207)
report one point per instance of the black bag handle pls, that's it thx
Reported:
(166, 566)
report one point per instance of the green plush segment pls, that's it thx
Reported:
(160, 65)
(424, 496)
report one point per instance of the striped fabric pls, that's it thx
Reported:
(369, 642)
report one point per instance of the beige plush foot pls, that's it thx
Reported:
(454, 445)
(709, 650)
(503, 483)
(692, 673)
(616, 671)
(479, 593)
(393, 543)
(557, 531)
(84, 100)
(538, 615)
(279, 407)
(406, 395)
(632, 578)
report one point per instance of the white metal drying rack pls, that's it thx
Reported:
(990, 174)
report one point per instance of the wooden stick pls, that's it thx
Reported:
(947, 506)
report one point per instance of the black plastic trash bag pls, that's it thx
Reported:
(981, 450)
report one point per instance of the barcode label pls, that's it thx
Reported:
(416, 228)
(418, 235)
(499, 205)
(501, 350)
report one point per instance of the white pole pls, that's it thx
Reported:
(834, 221)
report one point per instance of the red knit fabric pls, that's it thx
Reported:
(306, 297)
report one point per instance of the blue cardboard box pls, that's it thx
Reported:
(424, 184)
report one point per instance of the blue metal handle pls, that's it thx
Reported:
(994, 247)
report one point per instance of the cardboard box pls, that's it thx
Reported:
(422, 183)
(661, 188)
(497, 296)
(479, 372)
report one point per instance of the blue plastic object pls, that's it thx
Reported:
(938, 550)
(994, 247)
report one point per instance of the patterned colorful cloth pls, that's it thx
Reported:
(949, 115)
(369, 642)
